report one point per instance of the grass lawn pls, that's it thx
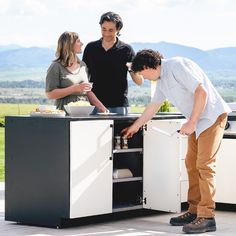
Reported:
(16, 109)
(2, 172)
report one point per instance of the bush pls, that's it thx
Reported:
(165, 107)
(2, 122)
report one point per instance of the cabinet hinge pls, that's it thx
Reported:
(145, 200)
(111, 125)
(145, 127)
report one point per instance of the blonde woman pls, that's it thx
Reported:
(67, 78)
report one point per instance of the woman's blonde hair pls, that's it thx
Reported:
(65, 48)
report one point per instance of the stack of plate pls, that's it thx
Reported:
(122, 173)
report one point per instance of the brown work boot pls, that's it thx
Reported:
(200, 225)
(183, 219)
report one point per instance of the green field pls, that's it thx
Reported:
(2, 154)
(5, 110)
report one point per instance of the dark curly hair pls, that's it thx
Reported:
(112, 17)
(146, 58)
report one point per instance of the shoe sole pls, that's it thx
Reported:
(178, 224)
(208, 229)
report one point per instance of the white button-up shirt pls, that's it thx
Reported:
(178, 81)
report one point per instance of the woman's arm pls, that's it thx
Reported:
(63, 92)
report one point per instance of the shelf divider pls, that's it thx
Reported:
(128, 150)
(127, 179)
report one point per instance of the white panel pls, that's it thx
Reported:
(162, 166)
(91, 168)
(225, 172)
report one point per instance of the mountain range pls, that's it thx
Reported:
(222, 60)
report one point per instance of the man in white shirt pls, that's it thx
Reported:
(187, 87)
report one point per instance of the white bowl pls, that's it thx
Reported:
(79, 110)
(46, 107)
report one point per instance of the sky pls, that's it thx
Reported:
(203, 24)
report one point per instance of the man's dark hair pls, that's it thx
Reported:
(145, 59)
(112, 17)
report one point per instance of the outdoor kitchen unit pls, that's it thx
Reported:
(66, 168)
(58, 169)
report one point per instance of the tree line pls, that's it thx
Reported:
(227, 88)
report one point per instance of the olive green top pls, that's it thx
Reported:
(59, 76)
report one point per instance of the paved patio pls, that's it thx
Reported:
(146, 225)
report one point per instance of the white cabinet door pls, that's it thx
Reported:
(225, 172)
(162, 166)
(90, 168)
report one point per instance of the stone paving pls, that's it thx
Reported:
(148, 225)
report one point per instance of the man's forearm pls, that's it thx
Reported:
(137, 78)
(94, 100)
(147, 115)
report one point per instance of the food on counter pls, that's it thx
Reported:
(79, 103)
(46, 107)
(48, 111)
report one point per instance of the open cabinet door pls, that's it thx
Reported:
(161, 166)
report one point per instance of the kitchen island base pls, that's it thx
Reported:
(63, 169)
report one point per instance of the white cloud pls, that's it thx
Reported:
(4, 6)
(199, 23)
(24, 7)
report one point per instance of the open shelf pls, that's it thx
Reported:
(128, 192)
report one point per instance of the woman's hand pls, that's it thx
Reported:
(82, 87)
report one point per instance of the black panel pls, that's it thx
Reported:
(127, 194)
(37, 170)
(132, 161)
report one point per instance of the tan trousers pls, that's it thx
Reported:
(201, 167)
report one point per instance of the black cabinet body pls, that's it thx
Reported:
(37, 171)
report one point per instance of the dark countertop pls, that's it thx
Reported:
(133, 116)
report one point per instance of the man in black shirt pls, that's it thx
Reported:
(108, 61)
